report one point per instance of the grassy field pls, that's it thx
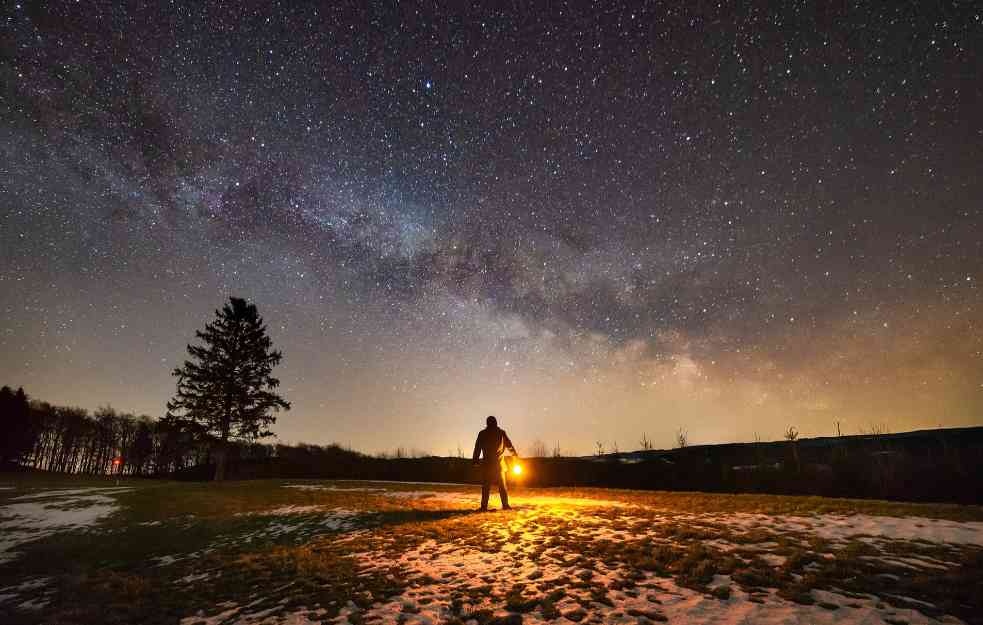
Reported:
(360, 553)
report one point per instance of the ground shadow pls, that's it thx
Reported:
(401, 517)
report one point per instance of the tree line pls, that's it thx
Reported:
(38, 435)
(67, 439)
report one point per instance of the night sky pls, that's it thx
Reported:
(591, 223)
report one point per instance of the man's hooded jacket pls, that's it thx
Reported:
(491, 444)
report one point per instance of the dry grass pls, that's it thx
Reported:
(605, 552)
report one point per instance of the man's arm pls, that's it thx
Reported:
(509, 445)
(477, 448)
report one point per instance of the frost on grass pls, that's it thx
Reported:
(165, 560)
(35, 515)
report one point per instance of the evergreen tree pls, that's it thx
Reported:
(226, 391)
(17, 432)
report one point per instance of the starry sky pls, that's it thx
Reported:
(592, 222)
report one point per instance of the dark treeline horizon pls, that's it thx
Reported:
(35, 434)
(68, 439)
(72, 440)
(936, 465)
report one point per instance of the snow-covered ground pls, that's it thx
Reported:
(38, 514)
(439, 570)
(305, 521)
(840, 528)
(436, 571)
(333, 488)
(543, 549)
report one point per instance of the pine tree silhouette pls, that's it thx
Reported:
(226, 391)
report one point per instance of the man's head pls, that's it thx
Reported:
(491, 422)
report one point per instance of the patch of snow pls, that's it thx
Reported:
(434, 571)
(190, 579)
(57, 511)
(105, 490)
(413, 494)
(720, 545)
(926, 562)
(841, 528)
(303, 521)
(199, 619)
(517, 502)
(284, 511)
(773, 559)
(301, 618)
(411, 483)
(264, 617)
(31, 585)
(330, 514)
(333, 488)
(924, 604)
(42, 516)
(34, 604)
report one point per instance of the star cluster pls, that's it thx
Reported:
(592, 222)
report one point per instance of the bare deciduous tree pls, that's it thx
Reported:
(874, 429)
(792, 435)
(682, 438)
(538, 449)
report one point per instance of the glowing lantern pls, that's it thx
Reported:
(517, 469)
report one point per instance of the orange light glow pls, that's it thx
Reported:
(517, 469)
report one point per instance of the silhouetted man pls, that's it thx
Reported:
(492, 443)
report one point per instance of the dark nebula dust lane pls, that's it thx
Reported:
(593, 223)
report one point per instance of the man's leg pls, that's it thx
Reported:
(485, 490)
(503, 492)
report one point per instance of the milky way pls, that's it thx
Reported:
(594, 224)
